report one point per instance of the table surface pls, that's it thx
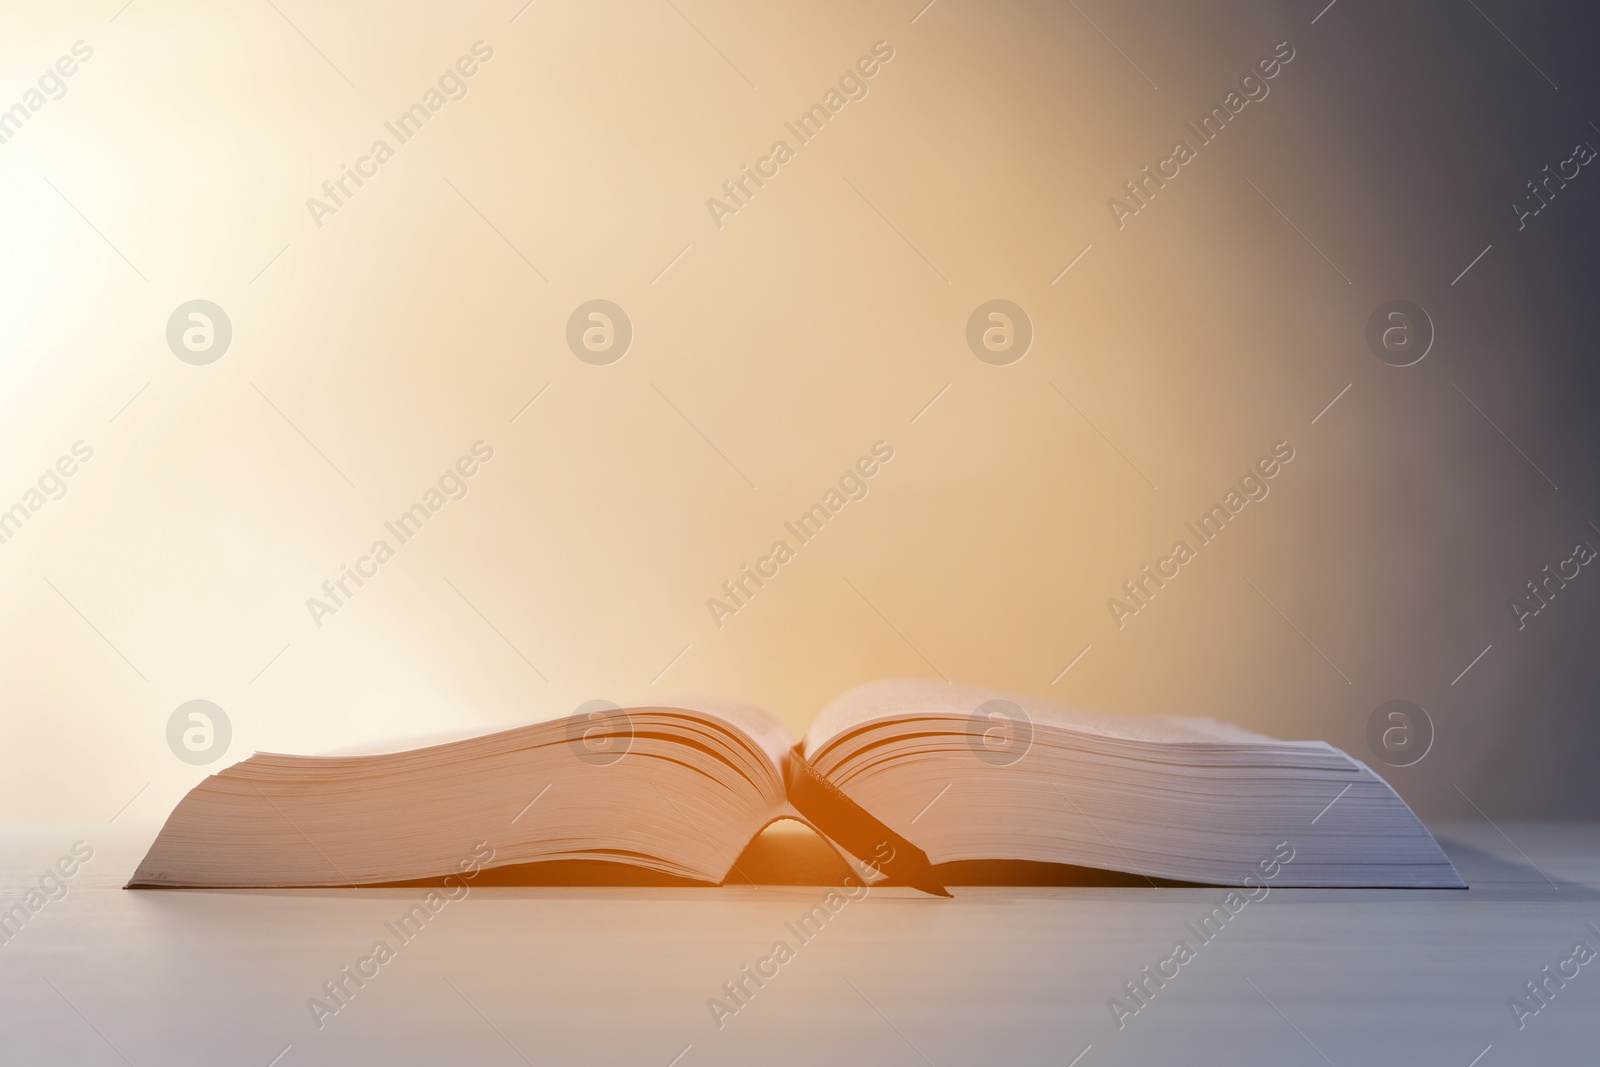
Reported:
(623, 975)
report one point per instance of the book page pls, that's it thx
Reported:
(919, 696)
(758, 724)
(768, 734)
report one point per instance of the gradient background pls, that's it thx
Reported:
(424, 316)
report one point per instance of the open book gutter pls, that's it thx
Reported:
(855, 829)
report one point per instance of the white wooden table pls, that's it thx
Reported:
(623, 975)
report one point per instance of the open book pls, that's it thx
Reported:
(897, 775)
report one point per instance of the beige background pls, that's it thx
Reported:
(371, 352)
